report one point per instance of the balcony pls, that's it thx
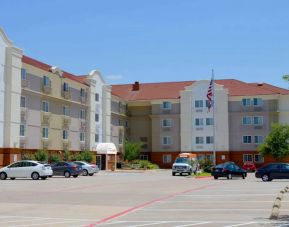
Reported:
(46, 89)
(82, 125)
(24, 83)
(45, 118)
(66, 94)
(83, 99)
(66, 121)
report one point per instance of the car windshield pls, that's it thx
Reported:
(182, 160)
(219, 166)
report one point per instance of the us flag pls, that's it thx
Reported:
(210, 95)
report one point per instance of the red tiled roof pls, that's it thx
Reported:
(272, 88)
(45, 67)
(171, 90)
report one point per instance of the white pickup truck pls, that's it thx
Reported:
(185, 165)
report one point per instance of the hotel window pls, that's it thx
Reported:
(247, 139)
(23, 101)
(258, 139)
(199, 122)
(65, 110)
(65, 86)
(96, 117)
(198, 103)
(247, 120)
(81, 136)
(65, 134)
(209, 139)
(144, 157)
(120, 137)
(82, 114)
(257, 101)
(167, 140)
(45, 106)
(167, 105)
(23, 74)
(258, 158)
(46, 81)
(247, 157)
(45, 133)
(167, 158)
(166, 123)
(199, 140)
(209, 121)
(22, 130)
(96, 138)
(96, 97)
(258, 120)
(82, 92)
(246, 102)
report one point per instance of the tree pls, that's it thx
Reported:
(41, 156)
(277, 142)
(131, 150)
(87, 156)
(286, 77)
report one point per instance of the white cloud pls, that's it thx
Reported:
(114, 77)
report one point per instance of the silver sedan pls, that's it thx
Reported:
(87, 168)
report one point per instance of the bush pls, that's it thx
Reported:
(41, 156)
(131, 150)
(142, 164)
(206, 165)
(27, 156)
(54, 158)
(87, 156)
(66, 156)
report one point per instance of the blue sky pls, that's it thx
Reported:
(155, 40)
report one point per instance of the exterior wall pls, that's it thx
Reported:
(189, 130)
(237, 130)
(283, 104)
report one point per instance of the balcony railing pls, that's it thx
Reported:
(45, 118)
(66, 121)
(46, 89)
(45, 143)
(24, 83)
(66, 94)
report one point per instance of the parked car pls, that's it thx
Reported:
(273, 171)
(229, 170)
(26, 169)
(185, 163)
(87, 168)
(249, 166)
(66, 169)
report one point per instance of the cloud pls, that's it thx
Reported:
(114, 77)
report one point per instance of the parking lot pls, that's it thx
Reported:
(135, 199)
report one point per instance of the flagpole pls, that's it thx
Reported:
(214, 122)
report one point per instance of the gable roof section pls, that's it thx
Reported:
(272, 88)
(46, 67)
(171, 90)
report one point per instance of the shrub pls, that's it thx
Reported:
(41, 156)
(143, 164)
(206, 165)
(66, 156)
(27, 156)
(87, 156)
(131, 150)
(54, 158)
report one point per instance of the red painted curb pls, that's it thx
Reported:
(122, 213)
(201, 177)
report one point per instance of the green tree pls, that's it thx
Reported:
(87, 156)
(41, 156)
(131, 150)
(54, 158)
(286, 77)
(276, 143)
(66, 156)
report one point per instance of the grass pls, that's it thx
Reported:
(204, 174)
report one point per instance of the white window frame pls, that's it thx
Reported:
(65, 134)
(82, 136)
(245, 157)
(248, 137)
(259, 102)
(23, 74)
(168, 123)
(66, 110)
(96, 135)
(22, 130)
(167, 140)
(167, 158)
(209, 121)
(199, 122)
(96, 97)
(24, 98)
(211, 139)
(258, 155)
(199, 103)
(96, 118)
(258, 142)
(166, 105)
(65, 86)
(244, 122)
(45, 133)
(82, 114)
(144, 157)
(45, 108)
(246, 102)
(260, 120)
(199, 140)
(46, 81)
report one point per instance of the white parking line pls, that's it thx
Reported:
(242, 224)
(222, 201)
(153, 223)
(41, 224)
(35, 219)
(203, 210)
(199, 223)
(226, 195)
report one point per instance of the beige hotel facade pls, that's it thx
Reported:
(44, 107)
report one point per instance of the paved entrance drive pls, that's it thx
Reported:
(140, 199)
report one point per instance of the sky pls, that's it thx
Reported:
(155, 40)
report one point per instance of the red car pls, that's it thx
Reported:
(249, 166)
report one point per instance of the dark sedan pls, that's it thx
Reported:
(66, 169)
(273, 171)
(228, 169)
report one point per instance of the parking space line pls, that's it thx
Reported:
(242, 224)
(222, 201)
(41, 224)
(226, 195)
(199, 223)
(203, 210)
(35, 219)
(152, 223)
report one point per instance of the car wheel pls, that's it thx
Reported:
(67, 174)
(12, 178)
(266, 177)
(215, 177)
(75, 176)
(173, 174)
(190, 173)
(50, 176)
(3, 176)
(243, 176)
(43, 178)
(229, 176)
(91, 174)
(84, 172)
(35, 176)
